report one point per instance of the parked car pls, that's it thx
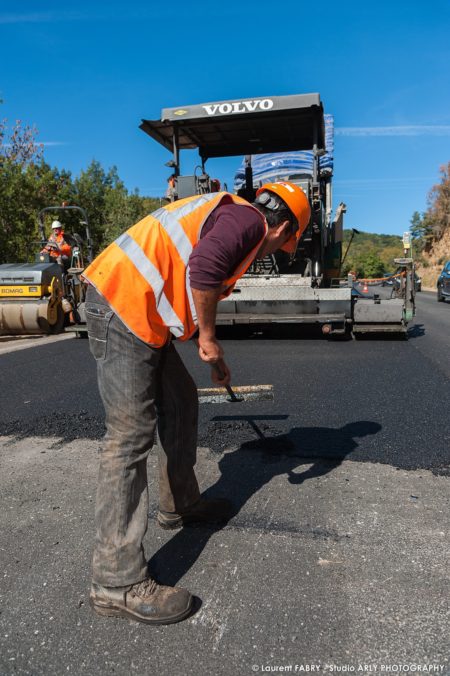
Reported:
(443, 284)
(417, 282)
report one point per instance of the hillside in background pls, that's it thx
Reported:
(371, 255)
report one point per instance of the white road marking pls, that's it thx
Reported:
(16, 343)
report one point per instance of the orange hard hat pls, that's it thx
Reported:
(297, 202)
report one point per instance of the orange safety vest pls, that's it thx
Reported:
(144, 274)
(64, 248)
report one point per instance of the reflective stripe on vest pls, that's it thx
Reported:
(144, 274)
(153, 277)
(182, 242)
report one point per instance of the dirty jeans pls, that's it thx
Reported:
(142, 388)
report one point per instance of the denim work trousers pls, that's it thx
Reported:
(142, 388)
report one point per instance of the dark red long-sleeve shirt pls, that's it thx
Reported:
(228, 235)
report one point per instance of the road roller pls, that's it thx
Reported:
(46, 296)
(31, 298)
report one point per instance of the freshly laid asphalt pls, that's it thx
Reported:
(337, 556)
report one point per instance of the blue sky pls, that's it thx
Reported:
(85, 74)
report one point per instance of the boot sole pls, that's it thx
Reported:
(192, 521)
(109, 611)
(170, 525)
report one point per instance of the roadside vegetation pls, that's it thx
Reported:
(28, 184)
(370, 255)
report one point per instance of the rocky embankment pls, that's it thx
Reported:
(434, 261)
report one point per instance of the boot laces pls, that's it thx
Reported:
(145, 588)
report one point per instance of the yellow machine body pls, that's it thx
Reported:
(19, 291)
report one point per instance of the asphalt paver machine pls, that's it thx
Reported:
(305, 287)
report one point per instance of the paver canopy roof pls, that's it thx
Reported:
(242, 127)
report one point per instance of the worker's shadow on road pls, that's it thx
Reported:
(246, 470)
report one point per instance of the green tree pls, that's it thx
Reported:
(371, 254)
(122, 210)
(24, 191)
(28, 184)
(25, 182)
(111, 208)
(421, 230)
(417, 226)
(369, 265)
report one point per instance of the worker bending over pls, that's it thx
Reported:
(163, 279)
(57, 247)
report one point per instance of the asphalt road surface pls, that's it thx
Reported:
(337, 559)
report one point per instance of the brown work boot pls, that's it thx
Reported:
(145, 601)
(203, 512)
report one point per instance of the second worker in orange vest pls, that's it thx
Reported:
(57, 246)
(146, 288)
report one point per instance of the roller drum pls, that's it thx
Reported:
(30, 317)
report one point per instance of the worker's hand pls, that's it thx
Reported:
(209, 350)
(220, 373)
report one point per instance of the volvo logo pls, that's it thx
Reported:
(230, 108)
